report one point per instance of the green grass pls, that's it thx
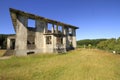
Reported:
(82, 64)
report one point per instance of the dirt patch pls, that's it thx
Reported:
(2, 52)
(5, 57)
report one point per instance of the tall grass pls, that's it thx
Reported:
(82, 64)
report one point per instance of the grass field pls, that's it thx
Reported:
(81, 64)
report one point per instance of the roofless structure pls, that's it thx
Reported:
(46, 36)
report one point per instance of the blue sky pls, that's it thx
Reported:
(95, 18)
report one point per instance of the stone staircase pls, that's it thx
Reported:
(9, 53)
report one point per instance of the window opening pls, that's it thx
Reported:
(31, 23)
(30, 38)
(49, 28)
(48, 40)
(70, 31)
(32, 52)
(59, 40)
(59, 29)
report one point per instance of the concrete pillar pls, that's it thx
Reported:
(8, 43)
(63, 30)
(64, 37)
(67, 37)
(54, 42)
(74, 38)
(52, 28)
(52, 36)
(45, 28)
(21, 36)
(56, 28)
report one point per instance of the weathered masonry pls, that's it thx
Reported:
(45, 36)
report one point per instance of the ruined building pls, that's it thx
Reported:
(46, 36)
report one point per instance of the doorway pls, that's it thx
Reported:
(12, 44)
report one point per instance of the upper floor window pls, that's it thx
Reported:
(31, 23)
(49, 28)
(70, 31)
(59, 29)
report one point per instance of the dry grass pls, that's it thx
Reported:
(2, 52)
(81, 64)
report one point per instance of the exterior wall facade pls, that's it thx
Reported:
(41, 39)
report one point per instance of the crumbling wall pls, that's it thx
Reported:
(39, 37)
(21, 35)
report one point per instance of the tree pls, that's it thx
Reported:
(93, 42)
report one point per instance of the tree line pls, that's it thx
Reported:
(112, 44)
(87, 42)
(105, 44)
